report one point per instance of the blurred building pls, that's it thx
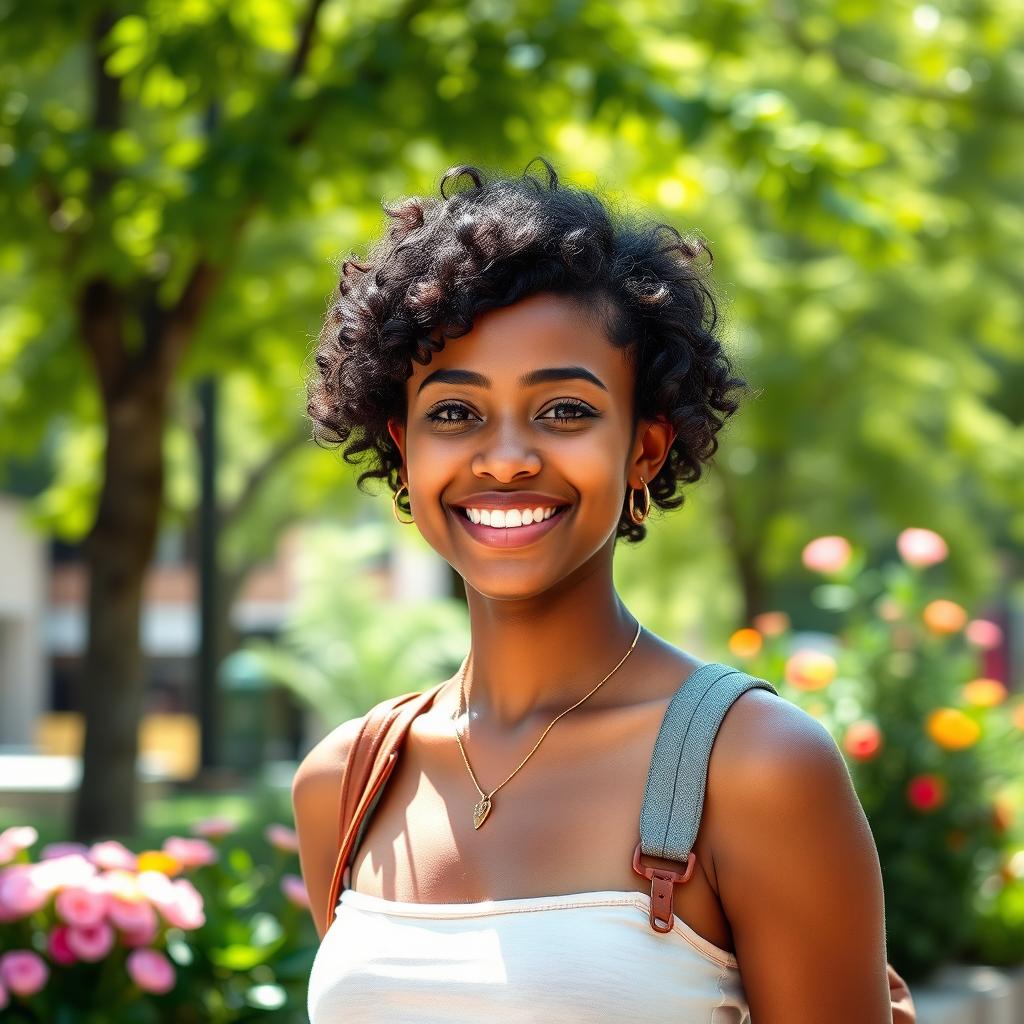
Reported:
(43, 632)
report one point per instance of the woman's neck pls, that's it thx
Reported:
(540, 656)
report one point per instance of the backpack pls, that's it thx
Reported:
(673, 794)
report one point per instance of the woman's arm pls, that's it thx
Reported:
(316, 801)
(797, 869)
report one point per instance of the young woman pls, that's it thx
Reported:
(533, 377)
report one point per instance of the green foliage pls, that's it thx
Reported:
(346, 645)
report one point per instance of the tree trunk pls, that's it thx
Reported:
(118, 552)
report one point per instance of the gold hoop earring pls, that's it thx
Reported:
(647, 503)
(394, 506)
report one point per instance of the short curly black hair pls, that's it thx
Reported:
(444, 260)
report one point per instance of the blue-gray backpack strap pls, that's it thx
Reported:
(677, 777)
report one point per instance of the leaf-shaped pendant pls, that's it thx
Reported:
(480, 811)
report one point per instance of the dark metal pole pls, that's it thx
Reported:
(209, 653)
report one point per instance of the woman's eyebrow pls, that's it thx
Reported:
(527, 380)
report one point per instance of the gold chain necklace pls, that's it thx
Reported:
(483, 806)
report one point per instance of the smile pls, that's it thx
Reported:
(509, 536)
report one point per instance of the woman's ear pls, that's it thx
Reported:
(653, 443)
(397, 431)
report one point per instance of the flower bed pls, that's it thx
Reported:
(194, 931)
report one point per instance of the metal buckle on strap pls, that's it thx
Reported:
(663, 883)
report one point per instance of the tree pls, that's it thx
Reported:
(147, 151)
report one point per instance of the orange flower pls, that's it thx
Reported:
(810, 670)
(863, 740)
(985, 693)
(926, 792)
(745, 643)
(771, 623)
(951, 729)
(157, 860)
(944, 617)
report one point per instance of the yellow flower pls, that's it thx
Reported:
(984, 693)
(951, 729)
(157, 860)
(810, 670)
(745, 643)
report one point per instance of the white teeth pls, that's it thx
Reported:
(507, 518)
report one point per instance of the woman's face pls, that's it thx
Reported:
(529, 410)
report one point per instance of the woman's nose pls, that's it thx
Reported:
(508, 452)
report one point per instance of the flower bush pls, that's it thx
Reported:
(195, 931)
(934, 747)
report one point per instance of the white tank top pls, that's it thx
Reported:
(579, 958)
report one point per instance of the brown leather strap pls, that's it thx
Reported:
(370, 761)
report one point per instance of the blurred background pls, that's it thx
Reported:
(192, 593)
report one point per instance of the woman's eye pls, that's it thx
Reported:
(581, 409)
(435, 414)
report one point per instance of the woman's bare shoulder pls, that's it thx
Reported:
(324, 765)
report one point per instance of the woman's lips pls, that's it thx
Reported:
(509, 536)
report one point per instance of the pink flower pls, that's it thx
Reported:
(23, 972)
(91, 943)
(190, 853)
(214, 828)
(984, 634)
(82, 905)
(20, 892)
(112, 855)
(140, 936)
(294, 890)
(57, 946)
(155, 887)
(282, 838)
(15, 839)
(51, 851)
(150, 970)
(827, 554)
(921, 548)
(61, 872)
(132, 916)
(180, 903)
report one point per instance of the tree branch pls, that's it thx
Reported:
(107, 111)
(305, 44)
